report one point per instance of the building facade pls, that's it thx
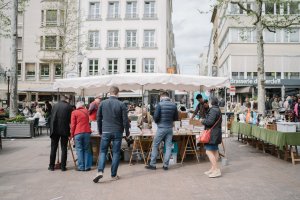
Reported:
(114, 36)
(234, 50)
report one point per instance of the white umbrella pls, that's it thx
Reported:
(146, 81)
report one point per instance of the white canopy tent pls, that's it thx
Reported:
(97, 84)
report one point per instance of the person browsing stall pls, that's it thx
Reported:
(112, 120)
(81, 133)
(164, 116)
(200, 108)
(213, 120)
(145, 120)
(94, 108)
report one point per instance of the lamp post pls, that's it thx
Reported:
(80, 58)
(7, 75)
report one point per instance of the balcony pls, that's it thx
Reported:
(131, 16)
(49, 54)
(94, 17)
(113, 17)
(150, 16)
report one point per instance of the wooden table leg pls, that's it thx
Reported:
(194, 147)
(133, 149)
(141, 148)
(184, 152)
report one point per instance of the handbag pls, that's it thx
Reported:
(205, 136)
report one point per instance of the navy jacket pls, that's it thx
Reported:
(165, 114)
(212, 117)
(112, 116)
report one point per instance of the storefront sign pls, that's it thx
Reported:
(269, 82)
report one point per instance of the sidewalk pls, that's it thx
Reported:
(249, 175)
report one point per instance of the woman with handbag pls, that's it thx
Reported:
(212, 137)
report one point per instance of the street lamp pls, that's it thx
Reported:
(80, 58)
(8, 75)
(103, 71)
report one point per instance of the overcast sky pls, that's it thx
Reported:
(192, 32)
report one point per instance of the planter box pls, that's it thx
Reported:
(19, 130)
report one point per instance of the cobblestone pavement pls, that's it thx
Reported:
(249, 175)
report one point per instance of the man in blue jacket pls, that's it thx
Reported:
(112, 120)
(164, 116)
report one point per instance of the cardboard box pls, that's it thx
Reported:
(195, 122)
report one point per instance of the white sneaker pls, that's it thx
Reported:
(215, 174)
(115, 178)
(98, 177)
(208, 172)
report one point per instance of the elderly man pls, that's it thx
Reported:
(112, 119)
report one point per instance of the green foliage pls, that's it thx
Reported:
(18, 118)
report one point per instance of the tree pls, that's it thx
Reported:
(4, 18)
(278, 14)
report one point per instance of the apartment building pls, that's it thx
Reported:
(114, 36)
(133, 36)
(233, 50)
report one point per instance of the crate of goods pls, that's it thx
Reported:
(286, 126)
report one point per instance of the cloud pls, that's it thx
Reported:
(192, 31)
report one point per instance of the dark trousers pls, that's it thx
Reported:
(64, 151)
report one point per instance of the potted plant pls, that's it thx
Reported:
(19, 127)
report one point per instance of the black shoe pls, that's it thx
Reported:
(165, 168)
(63, 169)
(89, 169)
(150, 167)
(98, 177)
(51, 168)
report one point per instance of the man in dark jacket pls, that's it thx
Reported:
(213, 121)
(200, 107)
(164, 116)
(112, 119)
(60, 130)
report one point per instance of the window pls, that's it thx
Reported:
(269, 36)
(20, 18)
(93, 67)
(94, 11)
(278, 75)
(286, 75)
(254, 74)
(149, 38)
(113, 39)
(43, 17)
(130, 65)
(112, 66)
(50, 42)
(235, 9)
(241, 74)
(270, 74)
(19, 44)
(30, 71)
(62, 17)
(58, 70)
(294, 35)
(61, 42)
(51, 17)
(131, 39)
(113, 10)
(19, 70)
(269, 8)
(294, 75)
(94, 39)
(249, 74)
(148, 65)
(294, 8)
(149, 11)
(234, 74)
(131, 10)
(45, 70)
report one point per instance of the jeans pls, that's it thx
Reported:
(165, 134)
(82, 145)
(106, 139)
(54, 145)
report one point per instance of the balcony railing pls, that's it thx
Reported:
(113, 45)
(131, 16)
(149, 45)
(94, 17)
(150, 16)
(113, 16)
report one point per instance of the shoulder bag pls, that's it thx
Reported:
(205, 136)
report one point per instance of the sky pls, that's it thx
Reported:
(192, 32)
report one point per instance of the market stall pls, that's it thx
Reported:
(279, 142)
(101, 84)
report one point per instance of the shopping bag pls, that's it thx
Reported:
(205, 136)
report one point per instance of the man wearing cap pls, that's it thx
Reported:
(200, 107)
(93, 109)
